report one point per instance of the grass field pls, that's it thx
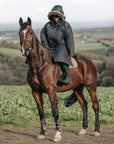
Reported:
(17, 107)
(11, 52)
(88, 46)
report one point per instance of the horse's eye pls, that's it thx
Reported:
(31, 33)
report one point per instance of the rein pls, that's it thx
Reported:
(46, 61)
(40, 69)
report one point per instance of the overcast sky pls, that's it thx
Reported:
(75, 10)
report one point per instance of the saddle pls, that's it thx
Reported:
(73, 64)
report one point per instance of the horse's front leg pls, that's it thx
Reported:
(54, 104)
(39, 100)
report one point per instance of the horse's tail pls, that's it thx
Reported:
(70, 100)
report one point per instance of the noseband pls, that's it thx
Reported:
(30, 49)
(24, 40)
(30, 46)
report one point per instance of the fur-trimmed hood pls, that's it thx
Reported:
(57, 10)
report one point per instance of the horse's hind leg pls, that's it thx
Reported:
(79, 93)
(93, 93)
(39, 100)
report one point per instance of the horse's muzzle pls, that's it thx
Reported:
(27, 51)
(23, 51)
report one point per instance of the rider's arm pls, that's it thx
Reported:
(69, 40)
(43, 37)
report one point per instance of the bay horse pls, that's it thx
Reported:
(43, 76)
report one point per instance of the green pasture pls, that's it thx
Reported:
(11, 52)
(17, 107)
(78, 46)
(83, 45)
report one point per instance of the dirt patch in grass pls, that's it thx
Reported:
(28, 135)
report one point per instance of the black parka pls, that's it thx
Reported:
(59, 38)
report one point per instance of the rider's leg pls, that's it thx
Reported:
(65, 69)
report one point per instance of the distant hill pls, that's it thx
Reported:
(75, 25)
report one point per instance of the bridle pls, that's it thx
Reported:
(30, 49)
(24, 40)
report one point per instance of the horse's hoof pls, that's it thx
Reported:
(57, 137)
(83, 131)
(96, 134)
(41, 137)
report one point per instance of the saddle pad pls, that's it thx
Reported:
(74, 63)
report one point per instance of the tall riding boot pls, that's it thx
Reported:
(66, 71)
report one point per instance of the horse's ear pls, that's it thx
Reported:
(29, 21)
(20, 21)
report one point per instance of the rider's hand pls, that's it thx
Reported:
(69, 58)
(47, 47)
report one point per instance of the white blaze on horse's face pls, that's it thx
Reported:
(22, 49)
(25, 31)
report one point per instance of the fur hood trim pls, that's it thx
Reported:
(63, 17)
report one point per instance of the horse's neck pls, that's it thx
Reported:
(36, 58)
(37, 47)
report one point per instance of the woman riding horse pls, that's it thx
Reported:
(57, 36)
(42, 77)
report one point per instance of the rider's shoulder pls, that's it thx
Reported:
(66, 24)
(48, 23)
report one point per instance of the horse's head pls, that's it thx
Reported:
(26, 36)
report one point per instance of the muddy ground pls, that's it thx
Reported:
(28, 135)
